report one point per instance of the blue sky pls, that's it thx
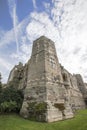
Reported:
(63, 21)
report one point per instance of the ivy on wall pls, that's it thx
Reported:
(37, 110)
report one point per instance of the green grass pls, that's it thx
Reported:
(15, 122)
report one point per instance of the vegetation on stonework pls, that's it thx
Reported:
(37, 110)
(10, 100)
(15, 122)
(41, 107)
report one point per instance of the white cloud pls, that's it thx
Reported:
(5, 64)
(68, 21)
(47, 7)
(73, 30)
(7, 38)
(2, 32)
(38, 27)
(25, 51)
(34, 4)
(5, 67)
(12, 10)
(67, 28)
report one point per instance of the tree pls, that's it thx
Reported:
(0, 84)
(11, 99)
(8, 106)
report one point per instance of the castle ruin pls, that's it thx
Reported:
(47, 85)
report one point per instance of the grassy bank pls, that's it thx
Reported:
(14, 122)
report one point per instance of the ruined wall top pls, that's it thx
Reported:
(41, 44)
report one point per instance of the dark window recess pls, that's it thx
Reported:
(65, 79)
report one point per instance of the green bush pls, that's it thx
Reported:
(0, 88)
(0, 84)
(41, 107)
(11, 100)
(8, 106)
(37, 110)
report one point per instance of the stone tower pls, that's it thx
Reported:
(45, 87)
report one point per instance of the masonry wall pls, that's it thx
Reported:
(76, 98)
(44, 80)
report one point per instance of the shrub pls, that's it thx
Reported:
(37, 110)
(0, 88)
(0, 84)
(8, 106)
(11, 100)
(40, 108)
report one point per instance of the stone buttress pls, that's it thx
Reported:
(45, 83)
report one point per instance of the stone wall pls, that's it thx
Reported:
(18, 76)
(45, 82)
(74, 94)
